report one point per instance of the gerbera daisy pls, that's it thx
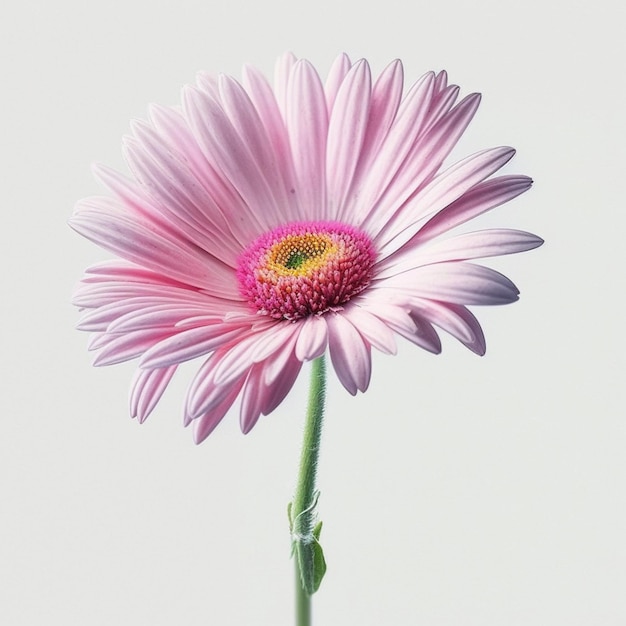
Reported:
(264, 226)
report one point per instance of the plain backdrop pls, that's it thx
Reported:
(458, 491)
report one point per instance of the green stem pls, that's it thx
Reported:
(303, 601)
(303, 507)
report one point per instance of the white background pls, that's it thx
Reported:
(457, 490)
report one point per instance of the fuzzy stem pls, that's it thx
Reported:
(303, 507)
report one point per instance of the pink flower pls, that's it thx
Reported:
(262, 227)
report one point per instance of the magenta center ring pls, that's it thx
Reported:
(305, 268)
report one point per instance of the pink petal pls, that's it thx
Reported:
(444, 189)
(371, 328)
(338, 71)
(240, 356)
(246, 120)
(386, 96)
(179, 195)
(456, 320)
(349, 353)
(441, 81)
(397, 144)
(441, 103)
(134, 200)
(481, 198)
(93, 294)
(98, 320)
(422, 334)
(275, 339)
(276, 364)
(380, 303)
(161, 315)
(346, 131)
(99, 220)
(121, 271)
(278, 386)
(203, 394)
(282, 75)
(268, 383)
(265, 103)
(146, 390)
(205, 424)
(226, 151)
(115, 349)
(313, 338)
(307, 123)
(424, 160)
(458, 283)
(475, 245)
(175, 129)
(208, 83)
(252, 400)
(481, 244)
(189, 344)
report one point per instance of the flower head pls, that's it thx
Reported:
(263, 226)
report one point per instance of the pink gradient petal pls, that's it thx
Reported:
(313, 338)
(102, 317)
(189, 344)
(147, 388)
(424, 159)
(307, 125)
(441, 81)
(481, 244)
(175, 130)
(99, 220)
(426, 155)
(208, 83)
(338, 71)
(455, 320)
(264, 100)
(121, 271)
(205, 424)
(458, 283)
(227, 153)
(443, 190)
(481, 198)
(372, 329)
(282, 74)
(237, 360)
(159, 315)
(441, 104)
(279, 386)
(423, 335)
(115, 349)
(346, 131)
(391, 308)
(94, 294)
(252, 400)
(397, 144)
(274, 340)
(179, 195)
(203, 394)
(277, 364)
(385, 100)
(350, 354)
(245, 119)
(476, 245)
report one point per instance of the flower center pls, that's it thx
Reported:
(305, 268)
